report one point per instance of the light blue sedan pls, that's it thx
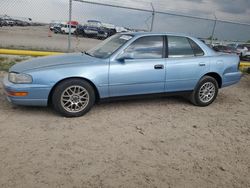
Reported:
(125, 64)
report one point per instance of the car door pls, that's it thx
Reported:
(185, 64)
(141, 70)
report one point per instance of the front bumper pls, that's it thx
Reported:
(37, 94)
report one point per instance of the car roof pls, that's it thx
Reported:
(157, 33)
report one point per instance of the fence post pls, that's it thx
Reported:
(215, 22)
(153, 17)
(70, 19)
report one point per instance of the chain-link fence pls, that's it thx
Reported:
(76, 25)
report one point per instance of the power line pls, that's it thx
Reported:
(159, 12)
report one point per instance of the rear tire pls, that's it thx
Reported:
(205, 92)
(73, 98)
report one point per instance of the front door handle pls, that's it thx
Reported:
(202, 64)
(159, 66)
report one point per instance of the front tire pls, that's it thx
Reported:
(205, 92)
(73, 98)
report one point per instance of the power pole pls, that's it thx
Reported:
(153, 17)
(215, 22)
(70, 19)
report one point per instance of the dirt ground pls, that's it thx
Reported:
(36, 38)
(162, 142)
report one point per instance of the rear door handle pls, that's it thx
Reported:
(202, 64)
(159, 66)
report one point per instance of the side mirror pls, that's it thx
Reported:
(124, 56)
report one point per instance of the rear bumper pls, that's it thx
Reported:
(37, 94)
(231, 78)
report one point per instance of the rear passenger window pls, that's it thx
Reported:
(179, 47)
(197, 50)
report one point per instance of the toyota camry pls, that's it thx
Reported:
(126, 64)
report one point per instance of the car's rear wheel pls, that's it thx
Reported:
(73, 97)
(205, 92)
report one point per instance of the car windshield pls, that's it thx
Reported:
(109, 46)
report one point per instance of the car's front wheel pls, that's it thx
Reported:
(205, 92)
(73, 97)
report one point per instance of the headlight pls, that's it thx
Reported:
(20, 78)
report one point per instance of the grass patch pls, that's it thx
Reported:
(8, 61)
(246, 70)
(19, 59)
(2, 59)
(4, 66)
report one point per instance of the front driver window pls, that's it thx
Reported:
(150, 47)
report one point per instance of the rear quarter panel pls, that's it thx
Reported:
(227, 67)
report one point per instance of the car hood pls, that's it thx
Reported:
(52, 61)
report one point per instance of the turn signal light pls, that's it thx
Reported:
(17, 94)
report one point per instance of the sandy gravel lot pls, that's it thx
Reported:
(36, 37)
(163, 142)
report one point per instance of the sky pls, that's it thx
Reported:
(231, 10)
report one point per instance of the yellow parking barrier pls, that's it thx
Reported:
(27, 52)
(244, 64)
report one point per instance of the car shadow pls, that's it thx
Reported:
(114, 102)
(145, 100)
